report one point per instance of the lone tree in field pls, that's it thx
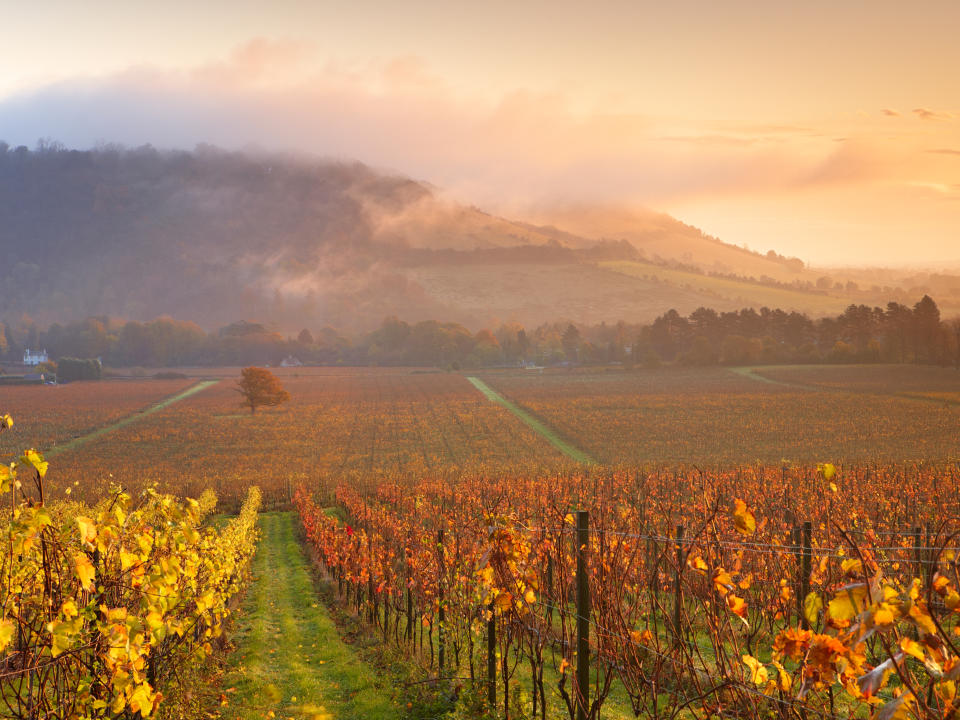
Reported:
(260, 387)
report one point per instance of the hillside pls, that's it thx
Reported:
(666, 238)
(212, 236)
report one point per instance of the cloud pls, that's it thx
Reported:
(714, 140)
(938, 188)
(776, 129)
(890, 113)
(850, 162)
(399, 113)
(944, 151)
(927, 114)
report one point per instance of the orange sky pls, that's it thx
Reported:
(828, 130)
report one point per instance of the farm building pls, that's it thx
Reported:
(31, 357)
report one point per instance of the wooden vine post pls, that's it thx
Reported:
(582, 689)
(441, 634)
(678, 587)
(492, 659)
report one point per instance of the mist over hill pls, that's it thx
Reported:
(212, 236)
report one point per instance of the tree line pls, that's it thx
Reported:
(894, 334)
(860, 334)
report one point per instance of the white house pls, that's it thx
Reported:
(290, 361)
(35, 358)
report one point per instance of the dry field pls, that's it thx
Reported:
(359, 424)
(46, 415)
(719, 417)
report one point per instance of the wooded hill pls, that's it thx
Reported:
(210, 236)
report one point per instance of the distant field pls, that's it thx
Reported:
(360, 423)
(716, 416)
(390, 423)
(45, 415)
(888, 379)
(742, 293)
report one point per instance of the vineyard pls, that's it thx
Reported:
(105, 605)
(47, 417)
(774, 543)
(363, 425)
(719, 418)
(672, 590)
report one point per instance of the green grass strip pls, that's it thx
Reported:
(752, 374)
(136, 417)
(290, 659)
(545, 431)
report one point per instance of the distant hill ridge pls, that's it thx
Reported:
(212, 236)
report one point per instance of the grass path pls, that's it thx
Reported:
(136, 417)
(753, 374)
(290, 659)
(544, 430)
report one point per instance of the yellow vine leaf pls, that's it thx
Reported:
(848, 602)
(883, 616)
(922, 619)
(743, 519)
(33, 458)
(784, 681)
(127, 559)
(485, 575)
(62, 633)
(69, 609)
(142, 700)
(812, 605)
(84, 571)
(7, 629)
(88, 530)
(7, 474)
(912, 647)
(758, 673)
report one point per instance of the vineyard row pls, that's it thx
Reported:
(728, 613)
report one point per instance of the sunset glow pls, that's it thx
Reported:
(823, 130)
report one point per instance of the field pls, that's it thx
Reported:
(368, 424)
(719, 417)
(48, 415)
(760, 539)
(356, 424)
(901, 380)
(739, 292)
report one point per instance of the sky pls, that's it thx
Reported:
(828, 130)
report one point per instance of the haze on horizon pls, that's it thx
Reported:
(826, 131)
